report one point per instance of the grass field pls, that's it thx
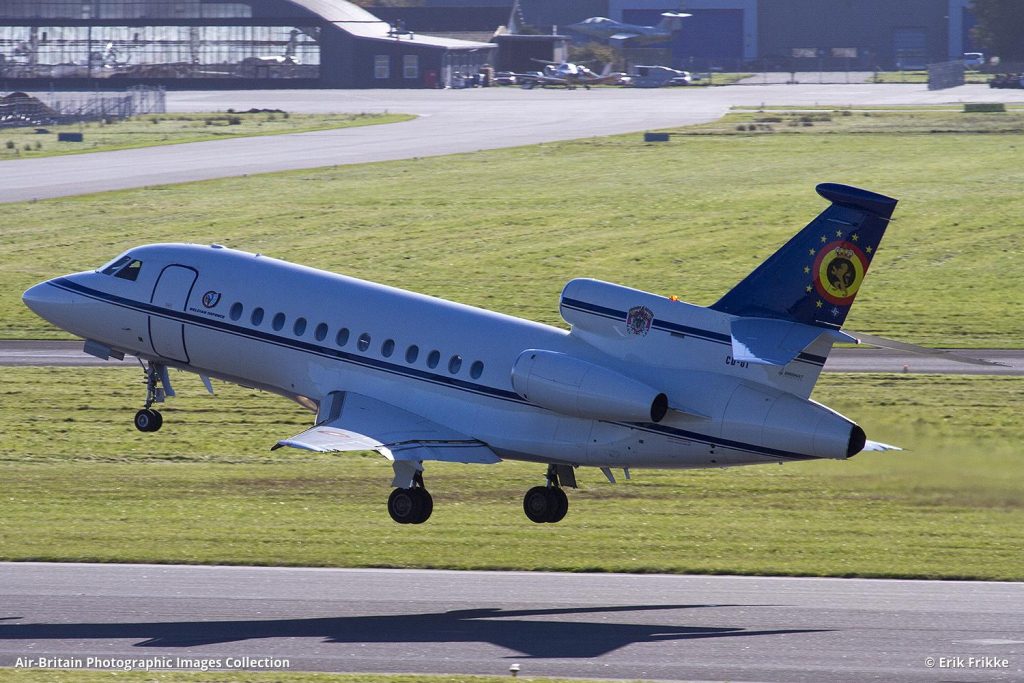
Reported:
(505, 229)
(921, 76)
(80, 484)
(172, 129)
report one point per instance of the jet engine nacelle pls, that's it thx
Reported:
(788, 424)
(571, 386)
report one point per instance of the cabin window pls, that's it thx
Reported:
(455, 364)
(278, 322)
(476, 369)
(299, 328)
(364, 341)
(433, 359)
(412, 353)
(388, 348)
(116, 265)
(320, 332)
(130, 271)
(236, 310)
(257, 316)
(342, 338)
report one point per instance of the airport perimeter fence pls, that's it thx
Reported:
(20, 109)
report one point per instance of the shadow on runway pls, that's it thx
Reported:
(517, 630)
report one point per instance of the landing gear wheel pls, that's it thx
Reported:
(538, 505)
(148, 420)
(427, 502)
(410, 506)
(559, 505)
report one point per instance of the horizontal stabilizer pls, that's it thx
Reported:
(361, 423)
(947, 354)
(770, 341)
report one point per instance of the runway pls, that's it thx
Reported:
(578, 625)
(450, 121)
(69, 353)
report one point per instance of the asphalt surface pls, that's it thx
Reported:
(69, 353)
(450, 121)
(579, 625)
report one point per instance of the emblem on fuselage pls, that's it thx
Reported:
(211, 299)
(638, 321)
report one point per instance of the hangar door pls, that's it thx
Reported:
(171, 292)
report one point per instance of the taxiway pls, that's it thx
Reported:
(69, 353)
(449, 122)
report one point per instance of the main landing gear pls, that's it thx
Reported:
(546, 504)
(157, 388)
(411, 505)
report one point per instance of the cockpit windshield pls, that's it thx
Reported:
(125, 267)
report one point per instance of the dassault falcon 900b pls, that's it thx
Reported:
(640, 380)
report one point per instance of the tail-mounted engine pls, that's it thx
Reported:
(576, 387)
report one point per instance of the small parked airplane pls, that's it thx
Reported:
(617, 31)
(566, 74)
(641, 380)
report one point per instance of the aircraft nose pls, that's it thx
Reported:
(47, 301)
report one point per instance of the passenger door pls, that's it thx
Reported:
(170, 294)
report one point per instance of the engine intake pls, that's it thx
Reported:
(571, 386)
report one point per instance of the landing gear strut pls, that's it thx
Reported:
(147, 419)
(546, 504)
(412, 505)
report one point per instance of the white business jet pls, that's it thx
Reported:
(640, 380)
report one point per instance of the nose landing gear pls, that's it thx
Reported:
(158, 387)
(148, 420)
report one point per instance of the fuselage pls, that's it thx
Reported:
(304, 333)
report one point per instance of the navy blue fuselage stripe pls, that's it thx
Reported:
(392, 368)
(667, 326)
(286, 342)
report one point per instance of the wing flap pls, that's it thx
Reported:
(361, 423)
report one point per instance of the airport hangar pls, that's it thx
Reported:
(220, 43)
(775, 35)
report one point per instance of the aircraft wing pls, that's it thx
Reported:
(540, 79)
(366, 424)
(623, 36)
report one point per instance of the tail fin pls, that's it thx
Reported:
(814, 278)
(672, 21)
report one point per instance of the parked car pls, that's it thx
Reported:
(973, 60)
(658, 76)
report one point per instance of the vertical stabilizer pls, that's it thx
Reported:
(814, 278)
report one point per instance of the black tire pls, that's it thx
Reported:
(559, 505)
(405, 506)
(145, 419)
(426, 502)
(537, 504)
(158, 421)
